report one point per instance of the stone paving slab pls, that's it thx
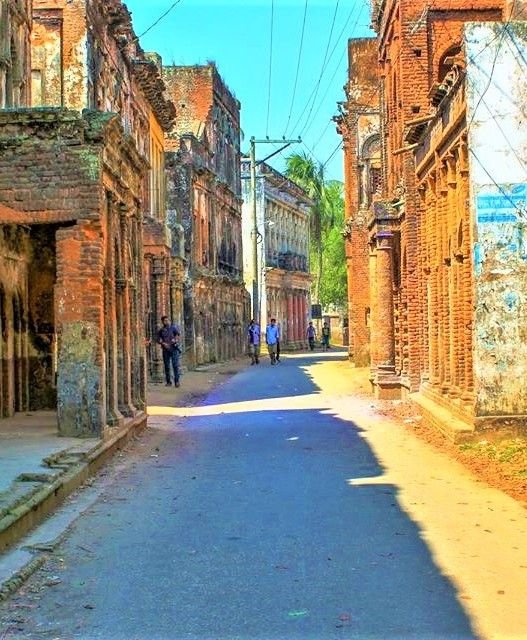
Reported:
(25, 441)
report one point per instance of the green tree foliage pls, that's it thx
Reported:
(328, 260)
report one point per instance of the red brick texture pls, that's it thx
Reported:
(360, 127)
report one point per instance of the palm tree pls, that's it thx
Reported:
(309, 175)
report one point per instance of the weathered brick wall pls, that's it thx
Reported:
(15, 252)
(360, 128)
(96, 289)
(203, 182)
(15, 53)
(445, 256)
(413, 39)
(66, 146)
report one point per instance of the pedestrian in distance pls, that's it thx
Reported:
(168, 337)
(278, 342)
(325, 336)
(271, 338)
(311, 335)
(253, 337)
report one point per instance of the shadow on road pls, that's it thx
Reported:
(250, 523)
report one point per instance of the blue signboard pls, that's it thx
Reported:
(501, 204)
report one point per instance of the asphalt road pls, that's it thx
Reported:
(243, 526)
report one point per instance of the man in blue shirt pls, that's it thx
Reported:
(271, 337)
(168, 337)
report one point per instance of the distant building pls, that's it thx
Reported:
(283, 250)
(203, 173)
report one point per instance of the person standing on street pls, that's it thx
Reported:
(278, 341)
(311, 334)
(271, 337)
(325, 336)
(253, 336)
(169, 339)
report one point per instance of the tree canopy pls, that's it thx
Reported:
(328, 256)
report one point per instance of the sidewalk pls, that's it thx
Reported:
(39, 469)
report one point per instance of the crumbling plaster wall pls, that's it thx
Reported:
(497, 85)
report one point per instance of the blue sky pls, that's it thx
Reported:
(236, 34)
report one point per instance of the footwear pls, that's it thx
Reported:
(168, 384)
(176, 384)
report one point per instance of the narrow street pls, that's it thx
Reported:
(266, 513)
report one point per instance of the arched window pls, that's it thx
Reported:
(371, 175)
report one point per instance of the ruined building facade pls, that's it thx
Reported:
(359, 125)
(282, 211)
(15, 53)
(203, 173)
(444, 309)
(75, 185)
(86, 56)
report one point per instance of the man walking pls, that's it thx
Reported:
(168, 337)
(278, 338)
(311, 334)
(271, 337)
(253, 335)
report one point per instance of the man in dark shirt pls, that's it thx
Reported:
(168, 337)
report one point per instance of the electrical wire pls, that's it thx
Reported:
(332, 154)
(270, 71)
(161, 17)
(297, 69)
(314, 93)
(337, 68)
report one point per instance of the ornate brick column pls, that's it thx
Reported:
(290, 319)
(298, 313)
(387, 384)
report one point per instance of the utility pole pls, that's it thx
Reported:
(255, 233)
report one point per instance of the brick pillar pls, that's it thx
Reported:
(297, 317)
(387, 385)
(305, 318)
(290, 319)
(156, 286)
(79, 304)
(372, 268)
(124, 296)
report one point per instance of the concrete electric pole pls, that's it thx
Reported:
(255, 233)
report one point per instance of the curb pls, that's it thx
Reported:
(26, 513)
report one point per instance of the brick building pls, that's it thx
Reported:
(359, 125)
(86, 56)
(75, 178)
(444, 320)
(15, 53)
(282, 211)
(203, 172)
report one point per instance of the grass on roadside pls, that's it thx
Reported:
(511, 452)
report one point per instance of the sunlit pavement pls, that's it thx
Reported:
(282, 508)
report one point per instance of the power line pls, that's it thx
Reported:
(337, 68)
(333, 153)
(270, 70)
(322, 134)
(161, 17)
(297, 68)
(314, 93)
